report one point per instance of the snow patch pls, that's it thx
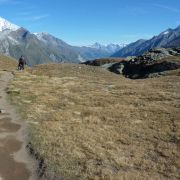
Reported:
(80, 58)
(6, 25)
(13, 40)
(166, 32)
(40, 36)
(111, 48)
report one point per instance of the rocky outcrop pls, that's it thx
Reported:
(101, 62)
(151, 64)
(155, 62)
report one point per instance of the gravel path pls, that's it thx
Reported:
(15, 162)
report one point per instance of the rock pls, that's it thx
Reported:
(13, 91)
(2, 111)
(103, 61)
(107, 66)
(118, 67)
(151, 64)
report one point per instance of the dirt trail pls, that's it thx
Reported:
(15, 162)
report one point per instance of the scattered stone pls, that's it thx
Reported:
(2, 111)
(14, 91)
(77, 113)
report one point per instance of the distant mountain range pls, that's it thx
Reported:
(168, 38)
(96, 51)
(43, 48)
(109, 48)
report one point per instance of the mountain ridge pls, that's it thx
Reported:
(6, 25)
(46, 48)
(168, 38)
(43, 47)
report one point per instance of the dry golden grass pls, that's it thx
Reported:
(7, 63)
(88, 123)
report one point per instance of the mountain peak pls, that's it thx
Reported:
(178, 28)
(110, 48)
(167, 31)
(97, 45)
(6, 25)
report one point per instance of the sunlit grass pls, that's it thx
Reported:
(7, 63)
(88, 123)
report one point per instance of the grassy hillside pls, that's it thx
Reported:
(7, 63)
(88, 123)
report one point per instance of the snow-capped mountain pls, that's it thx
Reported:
(16, 41)
(168, 38)
(166, 32)
(111, 48)
(50, 40)
(6, 25)
(91, 52)
(115, 47)
(23, 42)
(42, 47)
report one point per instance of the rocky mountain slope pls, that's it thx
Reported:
(42, 47)
(6, 25)
(168, 38)
(82, 53)
(17, 42)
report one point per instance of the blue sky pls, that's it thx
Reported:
(83, 22)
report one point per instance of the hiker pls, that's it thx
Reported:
(21, 63)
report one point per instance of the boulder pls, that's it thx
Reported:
(2, 111)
